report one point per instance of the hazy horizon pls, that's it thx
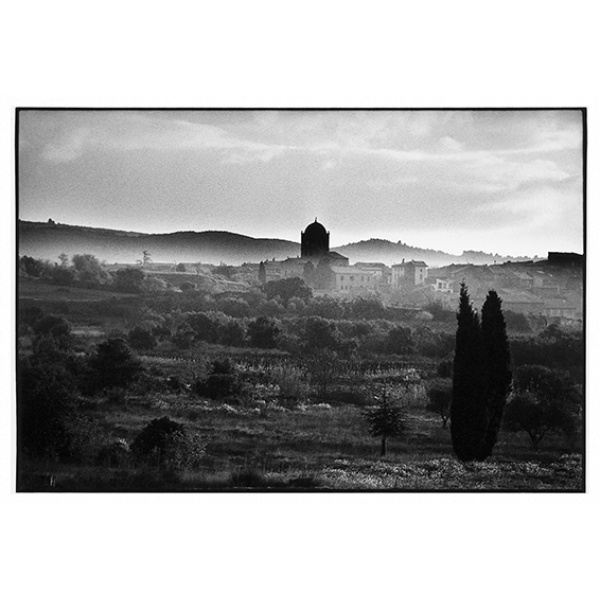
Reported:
(505, 182)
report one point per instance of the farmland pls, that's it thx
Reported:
(282, 416)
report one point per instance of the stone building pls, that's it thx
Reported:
(409, 274)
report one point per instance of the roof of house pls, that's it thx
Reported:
(414, 263)
(348, 271)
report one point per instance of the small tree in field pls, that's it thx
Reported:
(440, 399)
(386, 420)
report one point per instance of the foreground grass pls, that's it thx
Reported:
(310, 447)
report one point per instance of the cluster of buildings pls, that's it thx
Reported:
(552, 288)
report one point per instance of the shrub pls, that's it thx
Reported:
(45, 402)
(400, 341)
(263, 332)
(114, 454)
(291, 381)
(114, 365)
(222, 382)
(152, 443)
(141, 339)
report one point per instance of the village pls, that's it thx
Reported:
(551, 288)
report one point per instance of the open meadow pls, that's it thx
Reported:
(253, 402)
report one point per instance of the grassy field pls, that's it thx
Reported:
(268, 443)
(313, 446)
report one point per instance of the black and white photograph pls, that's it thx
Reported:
(317, 300)
(300, 300)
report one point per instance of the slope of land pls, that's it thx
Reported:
(49, 240)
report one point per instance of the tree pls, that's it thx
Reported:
(141, 338)
(222, 382)
(263, 332)
(45, 401)
(154, 440)
(400, 340)
(440, 399)
(497, 367)
(32, 267)
(262, 273)
(89, 269)
(320, 334)
(386, 420)
(114, 365)
(469, 418)
(129, 280)
(180, 268)
(544, 402)
(287, 289)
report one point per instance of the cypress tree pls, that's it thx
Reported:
(262, 273)
(498, 370)
(468, 413)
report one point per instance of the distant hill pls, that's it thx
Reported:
(49, 240)
(390, 253)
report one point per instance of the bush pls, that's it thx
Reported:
(114, 454)
(543, 402)
(222, 382)
(45, 402)
(141, 339)
(291, 381)
(263, 332)
(400, 341)
(152, 443)
(114, 365)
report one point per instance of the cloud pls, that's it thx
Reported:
(67, 147)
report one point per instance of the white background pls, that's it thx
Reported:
(382, 54)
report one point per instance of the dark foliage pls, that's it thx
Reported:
(545, 401)
(400, 341)
(114, 365)
(516, 322)
(129, 280)
(469, 417)
(31, 266)
(222, 382)
(497, 368)
(445, 368)
(320, 334)
(552, 348)
(152, 443)
(141, 339)
(263, 332)
(386, 420)
(287, 289)
(46, 400)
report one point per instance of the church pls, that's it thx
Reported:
(320, 267)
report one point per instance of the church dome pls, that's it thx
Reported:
(315, 240)
(315, 229)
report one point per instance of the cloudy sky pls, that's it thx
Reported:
(507, 182)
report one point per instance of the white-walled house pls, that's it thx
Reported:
(409, 274)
